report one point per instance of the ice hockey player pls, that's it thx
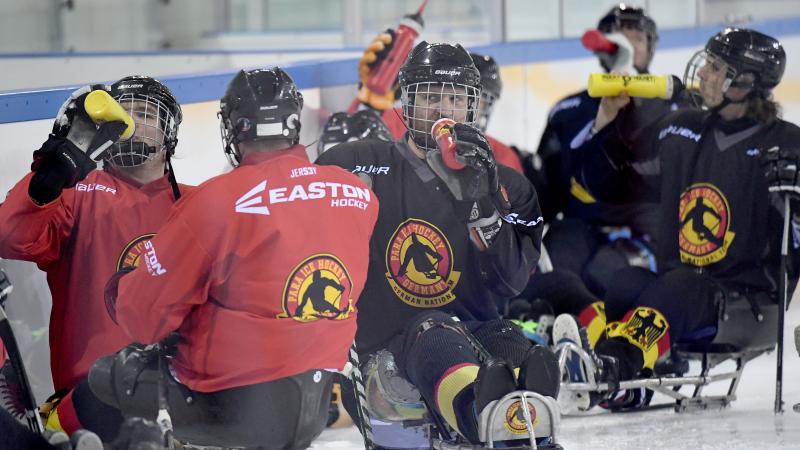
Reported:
(491, 88)
(345, 127)
(594, 238)
(436, 256)
(81, 225)
(263, 312)
(723, 170)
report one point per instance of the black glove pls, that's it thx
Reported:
(63, 159)
(781, 169)
(478, 182)
(58, 164)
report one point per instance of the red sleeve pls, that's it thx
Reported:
(172, 278)
(393, 118)
(31, 232)
(505, 155)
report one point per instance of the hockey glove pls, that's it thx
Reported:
(66, 157)
(58, 164)
(781, 169)
(479, 199)
(373, 56)
(621, 60)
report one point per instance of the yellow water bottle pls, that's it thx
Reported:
(101, 107)
(643, 85)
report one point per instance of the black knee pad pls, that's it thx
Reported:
(502, 339)
(416, 333)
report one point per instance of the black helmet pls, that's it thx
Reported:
(149, 98)
(743, 52)
(625, 16)
(437, 69)
(748, 51)
(439, 63)
(260, 104)
(491, 86)
(344, 127)
(490, 74)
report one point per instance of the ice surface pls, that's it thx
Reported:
(748, 423)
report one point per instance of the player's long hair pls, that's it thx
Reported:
(763, 108)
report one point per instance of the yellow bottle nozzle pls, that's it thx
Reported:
(101, 107)
(644, 85)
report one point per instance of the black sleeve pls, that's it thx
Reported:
(514, 253)
(606, 163)
(548, 177)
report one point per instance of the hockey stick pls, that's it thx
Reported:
(7, 336)
(364, 425)
(782, 282)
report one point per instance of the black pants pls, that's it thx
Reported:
(688, 300)
(583, 249)
(282, 414)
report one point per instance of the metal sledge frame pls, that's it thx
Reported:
(670, 385)
(439, 443)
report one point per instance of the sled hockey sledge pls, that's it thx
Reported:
(398, 417)
(745, 330)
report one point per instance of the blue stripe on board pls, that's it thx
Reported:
(43, 104)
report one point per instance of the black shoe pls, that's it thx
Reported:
(495, 379)
(539, 372)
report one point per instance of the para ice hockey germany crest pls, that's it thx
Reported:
(131, 255)
(705, 222)
(419, 265)
(318, 288)
(515, 418)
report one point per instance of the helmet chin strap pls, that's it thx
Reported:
(176, 192)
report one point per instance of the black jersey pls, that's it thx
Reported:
(569, 124)
(717, 212)
(421, 256)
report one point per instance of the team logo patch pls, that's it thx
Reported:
(647, 329)
(515, 418)
(318, 288)
(705, 222)
(131, 255)
(419, 265)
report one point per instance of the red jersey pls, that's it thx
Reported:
(504, 154)
(80, 240)
(259, 269)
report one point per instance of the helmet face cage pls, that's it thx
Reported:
(156, 131)
(701, 59)
(426, 102)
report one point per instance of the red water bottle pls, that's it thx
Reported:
(384, 78)
(596, 41)
(444, 140)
